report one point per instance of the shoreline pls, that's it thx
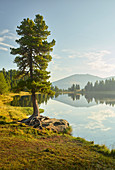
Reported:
(33, 149)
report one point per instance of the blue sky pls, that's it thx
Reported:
(84, 31)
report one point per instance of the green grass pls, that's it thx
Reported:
(24, 147)
(10, 113)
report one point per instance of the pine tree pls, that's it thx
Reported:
(33, 58)
(3, 84)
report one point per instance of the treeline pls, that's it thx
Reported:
(107, 85)
(4, 88)
(56, 89)
(8, 80)
(74, 88)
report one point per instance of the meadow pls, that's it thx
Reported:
(24, 147)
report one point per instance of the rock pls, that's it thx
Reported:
(57, 125)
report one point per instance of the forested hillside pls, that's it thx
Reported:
(3, 84)
(10, 78)
(107, 85)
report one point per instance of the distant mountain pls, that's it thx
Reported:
(80, 79)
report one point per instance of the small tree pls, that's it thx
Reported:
(33, 59)
(3, 84)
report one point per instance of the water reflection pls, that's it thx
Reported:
(76, 100)
(92, 123)
(74, 96)
(96, 119)
(108, 99)
(26, 101)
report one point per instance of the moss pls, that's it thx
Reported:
(68, 130)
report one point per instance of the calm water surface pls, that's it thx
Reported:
(91, 117)
(92, 121)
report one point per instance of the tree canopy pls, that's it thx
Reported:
(33, 56)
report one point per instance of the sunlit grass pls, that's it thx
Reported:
(13, 113)
(24, 147)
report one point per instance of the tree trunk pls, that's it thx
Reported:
(35, 105)
(34, 100)
(36, 112)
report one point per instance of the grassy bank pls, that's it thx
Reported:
(23, 147)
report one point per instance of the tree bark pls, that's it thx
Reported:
(34, 100)
(36, 112)
(35, 105)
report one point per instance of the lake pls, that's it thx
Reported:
(91, 116)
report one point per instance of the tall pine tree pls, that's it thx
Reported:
(33, 58)
(3, 85)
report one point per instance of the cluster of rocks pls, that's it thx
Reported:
(57, 125)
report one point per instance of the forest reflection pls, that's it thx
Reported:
(26, 101)
(99, 98)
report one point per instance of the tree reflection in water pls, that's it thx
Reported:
(26, 101)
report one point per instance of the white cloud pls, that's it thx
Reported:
(6, 35)
(56, 67)
(102, 115)
(56, 56)
(71, 53)
(90, 55)
(98, 62)
(96, 54)
(4, 31)
(4, 49)
(66, 50)
(71, 56)
(97, 119)
(7, 45)
(94, 60)
(1, 39)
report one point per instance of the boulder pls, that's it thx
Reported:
(59, 125)
(56, 125)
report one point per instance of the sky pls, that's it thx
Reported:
(84, 31)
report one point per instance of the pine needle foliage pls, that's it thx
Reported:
(33, 56)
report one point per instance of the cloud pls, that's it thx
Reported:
(56, 56)
(56, 67)
(90, 54)
(7, 45)
(97, 119)
(4, 49)
(4, 31)
(98, 62)
(96, 54)
(94, 60)
(1, 39)
(67, 50)
(6, 35)
(71, 53)
(71, 56)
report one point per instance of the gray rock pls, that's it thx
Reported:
(57, 125)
